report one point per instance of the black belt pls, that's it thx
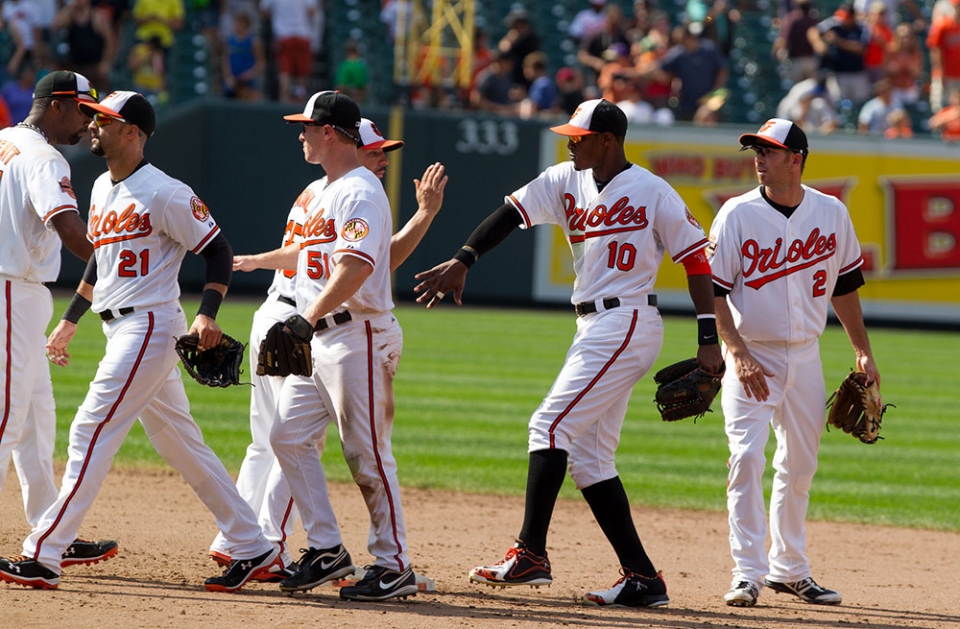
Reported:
(338, 319)
(589, 307)
(290, 301)
(109, 315)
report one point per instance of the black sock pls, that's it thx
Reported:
(608, 501)
(545, 474)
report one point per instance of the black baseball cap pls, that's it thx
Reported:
(67, 84)
(777, 132)
(129, 107)
(332, 108)
(595, 116)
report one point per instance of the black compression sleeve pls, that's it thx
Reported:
(848, 282)
(90, 273)
(219, 258)
(489, 233)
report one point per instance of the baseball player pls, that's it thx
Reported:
(619, 218)
(343, 293)
(142, 223)
(780, 254)
(38, 212)
(260, 480)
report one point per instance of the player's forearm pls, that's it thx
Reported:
(284, 258)
(848, 310)
(73, 233)
(727, 328)
(348, 276)
(406, 240)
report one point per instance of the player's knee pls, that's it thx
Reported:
(747, 463)
(591, 473)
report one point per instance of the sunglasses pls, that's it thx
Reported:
(576, 139)
(103, 120)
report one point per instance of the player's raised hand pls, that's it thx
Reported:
(430, 188)
(208, 331)
(58, 341)
(441, 279)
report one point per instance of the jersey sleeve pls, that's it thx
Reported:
(850, 255)
(538, 201)
(723, 252)
(361, 233)
(675, 227)
(187, 220)
(50, 189)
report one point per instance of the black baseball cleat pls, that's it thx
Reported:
(236, 575)
(632, 590)
(518, 567)
(380, 583)
(28, 573)
(318, 566)
(807, 591)
(84, 552)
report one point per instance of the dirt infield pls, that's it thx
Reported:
(889, 577)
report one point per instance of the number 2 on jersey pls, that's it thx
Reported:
(622, 257)
(819, 282)
(128, 263)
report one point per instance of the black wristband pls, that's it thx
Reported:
(468, 255)
(210, 303)
(707, 331)
(77, 308)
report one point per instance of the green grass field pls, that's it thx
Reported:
(471, 377)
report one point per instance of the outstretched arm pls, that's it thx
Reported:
(284, 258)
(429, 198)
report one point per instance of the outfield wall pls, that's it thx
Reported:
(247, 165)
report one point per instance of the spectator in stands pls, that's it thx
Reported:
(5, 119)
(647, 52)
(896, 11)
(242, 60)
(874, 117)
(589, 21)
(792, 47)
(719, 21)
(570, 90)
(290, 21)
(618, 67)
(118, 12)
(159, 19)
(89, 36)
(396, 12)
(495, 87)
(18, 92)
(840, 41)
(905, 64)
(542, 96)
(898, 125)
(23, 20)
(148, 71)
(946, 122)
(481, 59)
(352, 75)
(697, 65)
(519, 41)
(943, 43)
(880, 35)
(590, 53)
(811, 106)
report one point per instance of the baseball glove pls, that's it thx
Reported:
(285, 350)
(215, 367)
(685, 390)
(857, 409)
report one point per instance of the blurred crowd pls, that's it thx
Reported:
(882, 67)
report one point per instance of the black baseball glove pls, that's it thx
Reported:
(685, 390)
(285, 350)
(215, 367)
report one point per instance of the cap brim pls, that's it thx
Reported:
(752, 139)
(386, 145)
(569, 129)
(99, 109)
(298, 118)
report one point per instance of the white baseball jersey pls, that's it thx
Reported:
(351, 217)
(141, 234)
(785, 267)
(36, 187)
(617, 236)
(285, 281)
